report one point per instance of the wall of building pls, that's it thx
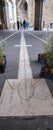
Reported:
(48, 12)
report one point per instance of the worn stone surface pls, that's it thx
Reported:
(20, 99)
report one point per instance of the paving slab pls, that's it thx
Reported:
(26, 98)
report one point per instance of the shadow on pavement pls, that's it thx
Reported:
(36, 69)
(26, 123)
(10, 73)
(50, 85)
(2, 82)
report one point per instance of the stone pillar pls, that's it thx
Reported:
(38, 14)
(14, 14)
(7, 12)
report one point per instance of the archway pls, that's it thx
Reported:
(25, 6)
(22, 10)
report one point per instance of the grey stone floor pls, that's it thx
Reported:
(27, 123)
(25, 102)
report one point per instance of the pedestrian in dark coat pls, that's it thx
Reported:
(24, 22)
(17, 24)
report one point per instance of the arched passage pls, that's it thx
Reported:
(25, 6)
(22, 9)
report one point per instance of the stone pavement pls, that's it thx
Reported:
(26, 98)
(26, 103)
(26, 123)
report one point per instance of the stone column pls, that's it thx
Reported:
(7, 12)
(14, 14)
(38, 14)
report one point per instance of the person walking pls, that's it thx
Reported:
(17, 24)
(27, 24)
(21, 25)
(24, 24)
